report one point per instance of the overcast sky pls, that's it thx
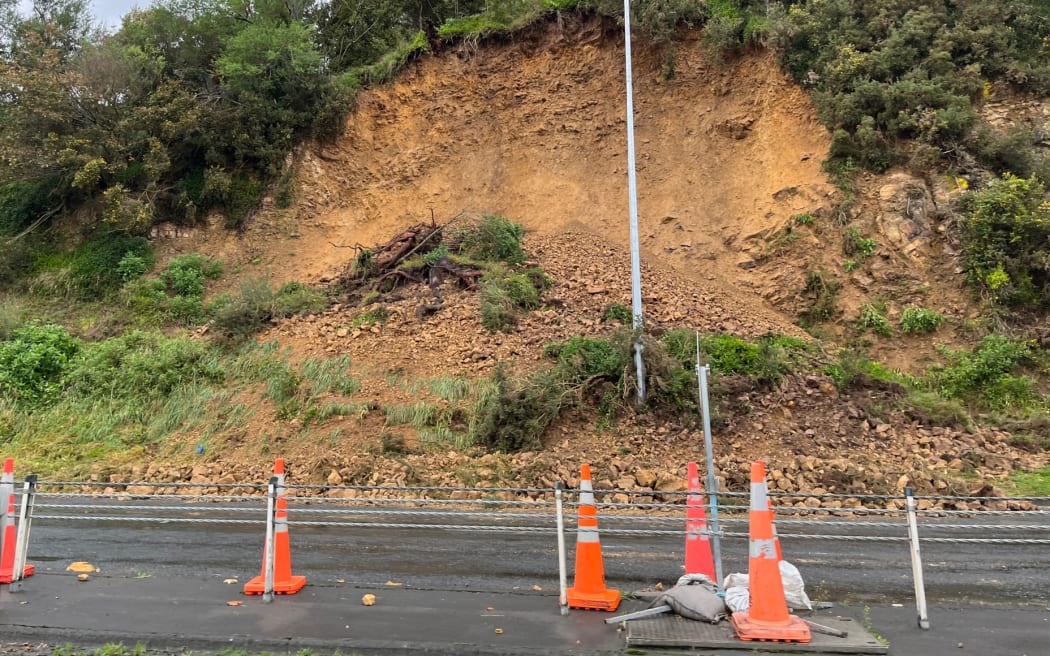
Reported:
(108, 12)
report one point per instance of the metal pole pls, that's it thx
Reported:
(712, 481)
(632, 192)
(25, 518)
(271, 513)
(563, 599)
(640, 614)
(916, 561)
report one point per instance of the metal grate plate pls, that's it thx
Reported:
(675, 631)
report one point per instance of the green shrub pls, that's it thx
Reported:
(371, 317)
(239, 316)
(282, 384)
(33, 362)
(522, 291)
(767, 360)
(851, 368)
(1004, 231)
(497, 308)
(580, 358)
(185, 274)
(933, 409)
(1011, 152)
(257, 304)
(873, 318)
(680, 344)
(434, 256)
(176, 294)
(296, 298)
(512, 413)
(388, 65)
(855, 244)
(95, 268)
(142, 365)
(984, 375)
(242, 196)
(132, 266)
(363, 266)
(619, 312)
(920, 320)
(729, 355)
(22, 202)
(883, 72)
(493, 239)
(504, 295)
(821, 291)
(803, 219)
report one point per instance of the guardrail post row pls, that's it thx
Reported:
(271, 551)
(563, 585)
(916, 560)
(25, 517)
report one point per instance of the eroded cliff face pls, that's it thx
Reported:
(533, 127)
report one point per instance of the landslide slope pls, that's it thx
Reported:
(532, 127)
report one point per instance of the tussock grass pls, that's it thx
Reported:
(451, 389)
(330, 375)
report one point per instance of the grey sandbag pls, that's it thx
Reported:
(694, 598)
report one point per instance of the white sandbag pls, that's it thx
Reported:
(794, 589)
(738, 599)
(735, 581)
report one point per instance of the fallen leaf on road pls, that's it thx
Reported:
(536, 588)
(230, 581)
(368, 600)
(490, 608)
(393, 584)
(83, 577)
(340, 580)
(659, 586)
(499, 630)
(81, 566)
(234, 603)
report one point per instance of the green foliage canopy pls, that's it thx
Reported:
(884, 70)
(1006, 233)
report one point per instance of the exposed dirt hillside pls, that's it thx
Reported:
(533, 128)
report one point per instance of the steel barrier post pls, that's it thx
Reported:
(712, 480)
(563, 600)
(25, 517)
(271, 515)
(916, 560)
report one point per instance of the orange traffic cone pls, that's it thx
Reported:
(773, 523)
(8, 532)
(283, 581)
(767, 618)
(589, 591)
(698, 558)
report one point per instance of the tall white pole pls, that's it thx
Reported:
(632, 191)
(916, 561)
(563, 600)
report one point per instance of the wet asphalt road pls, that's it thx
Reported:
(442, 559)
